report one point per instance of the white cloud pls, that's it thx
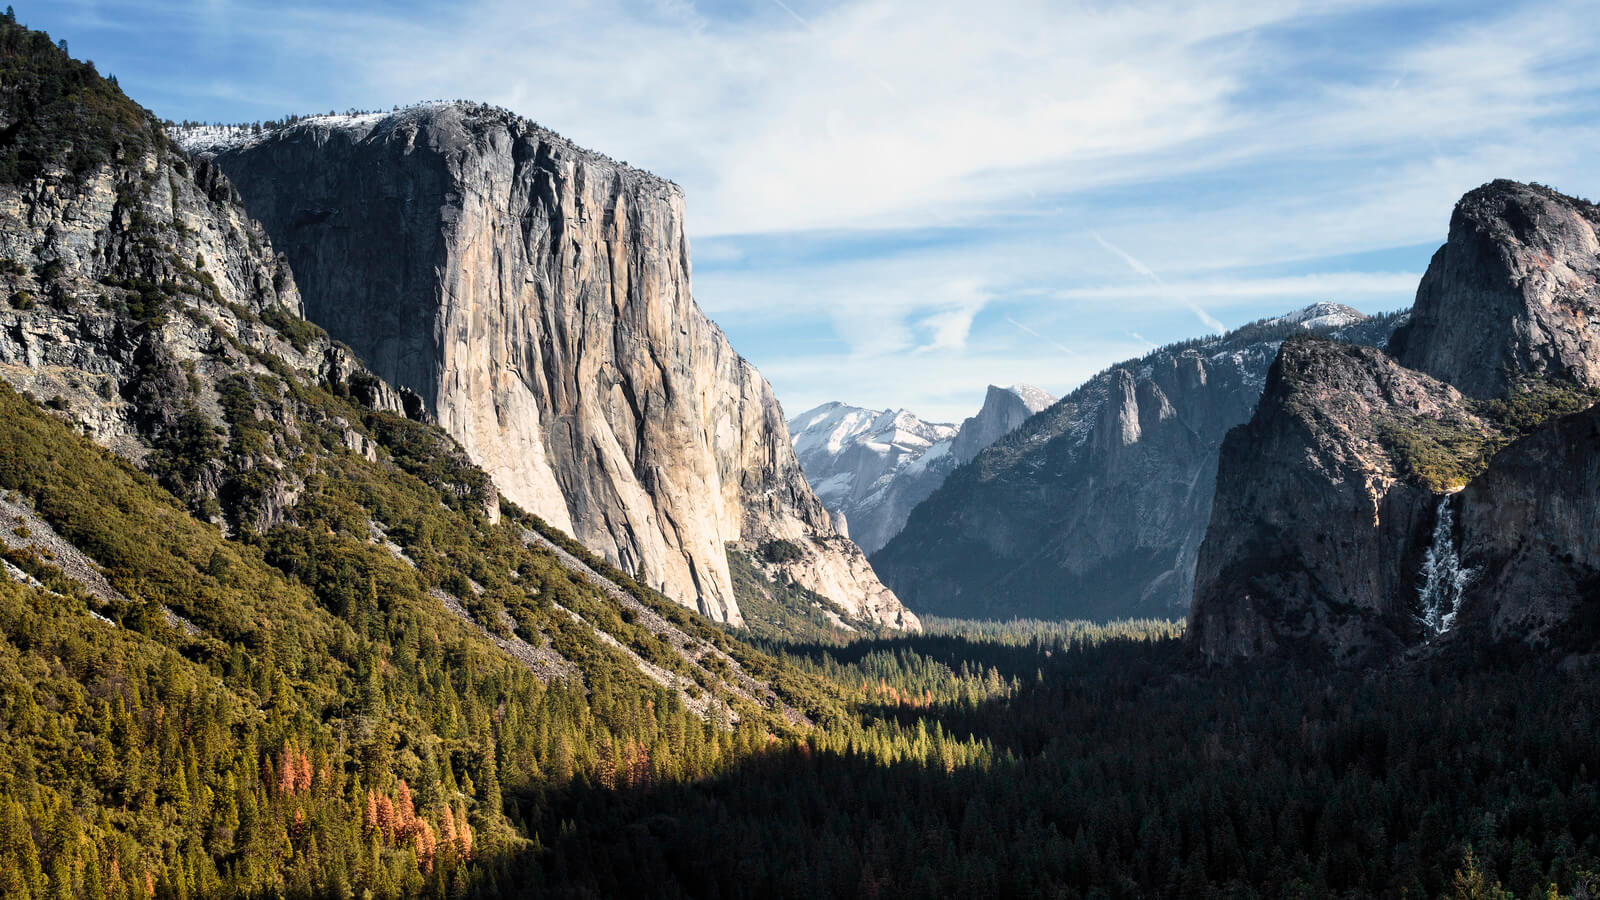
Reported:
(1096, 171)
(1289, 288)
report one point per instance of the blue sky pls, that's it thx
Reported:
(898, 203)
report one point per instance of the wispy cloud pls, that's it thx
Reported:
(908, 196)
(1292, 288)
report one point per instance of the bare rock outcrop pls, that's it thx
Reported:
(1528, 542)
(135, 294)
(1004, 410)
(1514, 292)
(1318, 531)
(1446, 495)
(536, 297)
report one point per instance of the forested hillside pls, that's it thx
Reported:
(300, 712)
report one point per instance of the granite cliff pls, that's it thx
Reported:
(1095, 507)
(144, 306)
(1513, 293)
(1436, 495)
(1527, 540)
(1316, 535)
(536, 296)
(872, 468)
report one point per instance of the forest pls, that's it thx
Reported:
(198, 700)
(369, 747)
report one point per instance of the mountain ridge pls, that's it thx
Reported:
(1096, 506)
(871, 468)
(544, 271)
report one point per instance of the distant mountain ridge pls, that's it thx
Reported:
(1095, 508)
(871, 468)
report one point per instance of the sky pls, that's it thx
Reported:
(895, 204)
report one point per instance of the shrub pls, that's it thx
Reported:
(781, 551)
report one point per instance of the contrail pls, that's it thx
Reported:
(1025, 329)
(1134, 264)
(792, 14)
(806, 24)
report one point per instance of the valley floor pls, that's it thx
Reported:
(1080, 762)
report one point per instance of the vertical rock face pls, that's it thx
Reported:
(1317, 534)
(1528, 540)
(1095, 507)
(1004, 410)
(141, 304)
(1363, 511)
(872, 468)
(1515, 291)
(536, 296)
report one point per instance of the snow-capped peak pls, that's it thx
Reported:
(1323, 314)
(1033, 398)
(216, 138)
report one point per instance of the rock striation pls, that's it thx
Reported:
(536, 297)
(872, 468)
(1527, 540)
(1096, 507)
(136, 293)
(1380, 504)
(1513, 293)
(1317, 534)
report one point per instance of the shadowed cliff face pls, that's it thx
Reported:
(1338, 531)
(1528, 536)
(1095, 507)
(536, 295)
(1317, 533)
(1515, 291)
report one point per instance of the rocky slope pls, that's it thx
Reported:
(144, 306)
(536, 296)
(1096, 507)
(872, 468)
(1338, 531)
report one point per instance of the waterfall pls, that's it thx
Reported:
(1443, 578)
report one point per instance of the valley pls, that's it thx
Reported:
(381, 516)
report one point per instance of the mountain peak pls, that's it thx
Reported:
(459, 117)
(1513, 292)
(1323, 314)
(1035, 399)
(1004, 408)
